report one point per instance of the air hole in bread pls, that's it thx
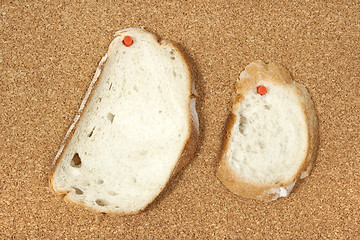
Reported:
(242, 121)
(99, 181)
(78, 191)
(76, 161)
(174, 73)
(172, 58)
(136, 88)
(267, 107)
(110, 86)
(134, 180)
(111, 116)
(143, 152)
(91, 133)
(101, 202)
(99, 99)
(160, 111)
(248, 148)
(112, 193)
(172, 52)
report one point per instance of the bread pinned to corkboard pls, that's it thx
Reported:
(136, 127)
(271, 134)
(49, 54)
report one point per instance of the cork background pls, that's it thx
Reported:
(49, 53)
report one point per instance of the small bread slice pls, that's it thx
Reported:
(271, 134)
(135, 128)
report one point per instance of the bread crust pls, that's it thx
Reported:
(254, 73)
(187, 152)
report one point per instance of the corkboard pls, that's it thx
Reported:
(49, 53)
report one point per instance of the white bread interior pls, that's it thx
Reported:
(135, 123)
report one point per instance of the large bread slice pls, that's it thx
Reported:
(271, 138)
(136, 127)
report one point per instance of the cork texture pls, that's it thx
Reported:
(50, 51)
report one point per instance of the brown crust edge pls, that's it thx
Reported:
(275, 73)
(185, 157)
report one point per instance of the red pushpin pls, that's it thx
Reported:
(128, 41)
(261, 90)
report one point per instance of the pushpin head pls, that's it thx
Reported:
(128, 41)
(261, 90)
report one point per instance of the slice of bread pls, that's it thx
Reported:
(135, 128)
(271, 134)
